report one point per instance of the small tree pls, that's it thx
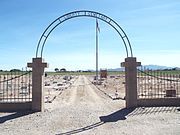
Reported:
(15, 70)
(56, 70)
(62, 70)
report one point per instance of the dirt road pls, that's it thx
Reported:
(83, 92)
(83, 109)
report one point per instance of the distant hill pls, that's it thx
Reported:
(157, 67)
(116, 69)
(152, 67)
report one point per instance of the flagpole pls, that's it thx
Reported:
(96, 51)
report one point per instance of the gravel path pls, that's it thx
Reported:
(82, 109)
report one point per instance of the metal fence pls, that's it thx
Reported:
(15, 86)
(157, 84)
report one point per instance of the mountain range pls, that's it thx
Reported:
(152, 67)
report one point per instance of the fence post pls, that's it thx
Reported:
(130, 65)
(37, 83)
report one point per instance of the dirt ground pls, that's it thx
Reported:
(79, 107)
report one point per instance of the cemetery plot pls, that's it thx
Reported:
(55, 84)
(15, 87)
(155, 84)
(112, 86)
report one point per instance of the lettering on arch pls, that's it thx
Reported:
(83, 13)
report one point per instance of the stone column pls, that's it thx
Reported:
(37, 83)
(130, 65)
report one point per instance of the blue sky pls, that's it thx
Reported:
(153, 27)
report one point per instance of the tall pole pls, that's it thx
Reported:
(96, 51)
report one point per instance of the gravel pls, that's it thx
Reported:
(83, 109)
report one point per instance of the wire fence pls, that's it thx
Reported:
(15, 86)
(157, 84)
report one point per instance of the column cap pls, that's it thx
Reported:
(39, 61)
(130, 60)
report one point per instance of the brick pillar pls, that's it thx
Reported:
(37, 83)
(130, 65)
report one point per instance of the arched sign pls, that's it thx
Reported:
(83, 13)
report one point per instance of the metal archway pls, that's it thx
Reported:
(83, 13)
